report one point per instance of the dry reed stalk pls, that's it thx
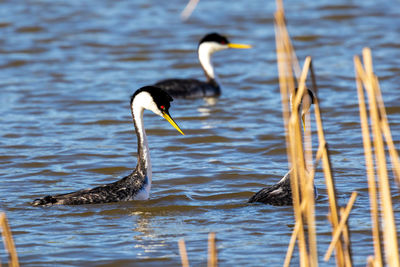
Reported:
(291, 62)
(306, 182)
(283, 85)
(188, 10)
(292, 243)
(302, 83)
(279, 5)
(334, 218)
(8, 241)
(182, 252)
(329, 181)
(302, 188)
(347, 244)
(394, 156)
(294, 182)
(342, 224)
(286, 85)
(380, 128)
(287, 62)
(284, 35)
(310, 215)
(299, 178)
(285, 75)
(369, 164)
(285, 82)
(293, 237)
(371, 262)
(319, 154)
(212, 251)
(390, 233)
(302, 180)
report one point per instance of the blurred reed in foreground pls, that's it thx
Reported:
(8, 241)
(301, 161)
(288, 67)
(367, 80)
(300, 156)
(212, 252)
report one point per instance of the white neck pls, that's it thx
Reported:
(205, 51)
(143, 147)
(305, 104)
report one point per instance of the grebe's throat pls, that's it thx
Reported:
(205, 51)
(144, 162)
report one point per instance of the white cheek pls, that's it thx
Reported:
(144, 100)
(210, 48)
(153, 107)
(218, 47)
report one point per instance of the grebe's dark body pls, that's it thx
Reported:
(123, 190)
(192, 88)
(280, 194)
(136, 185)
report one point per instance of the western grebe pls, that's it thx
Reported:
(305, 105)
(280, 194)
(136, 185)
(192, 88)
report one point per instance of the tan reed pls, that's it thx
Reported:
(300, 155)
(300, 161)
(8, 241)
(366, 78)
(374, 209)
(212, 251)
(330, 187)
(301, 176)
(394, 156)
(287, 85)
(188, 10)
(306, 182)
(342, 225)
(182, 252)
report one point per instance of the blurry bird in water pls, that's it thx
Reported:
(192, 88)
(280, 194)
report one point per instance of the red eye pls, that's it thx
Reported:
(162, 107)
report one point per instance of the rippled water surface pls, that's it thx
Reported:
(67, 70)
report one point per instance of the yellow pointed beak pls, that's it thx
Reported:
(170, 120)
(239, 46)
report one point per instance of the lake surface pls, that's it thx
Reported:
(67, 71)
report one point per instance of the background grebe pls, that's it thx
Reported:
(192, 88)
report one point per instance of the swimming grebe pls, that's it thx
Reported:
(192, 88)
(280, 194)
(136, 185)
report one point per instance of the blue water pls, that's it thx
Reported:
(67, 70)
